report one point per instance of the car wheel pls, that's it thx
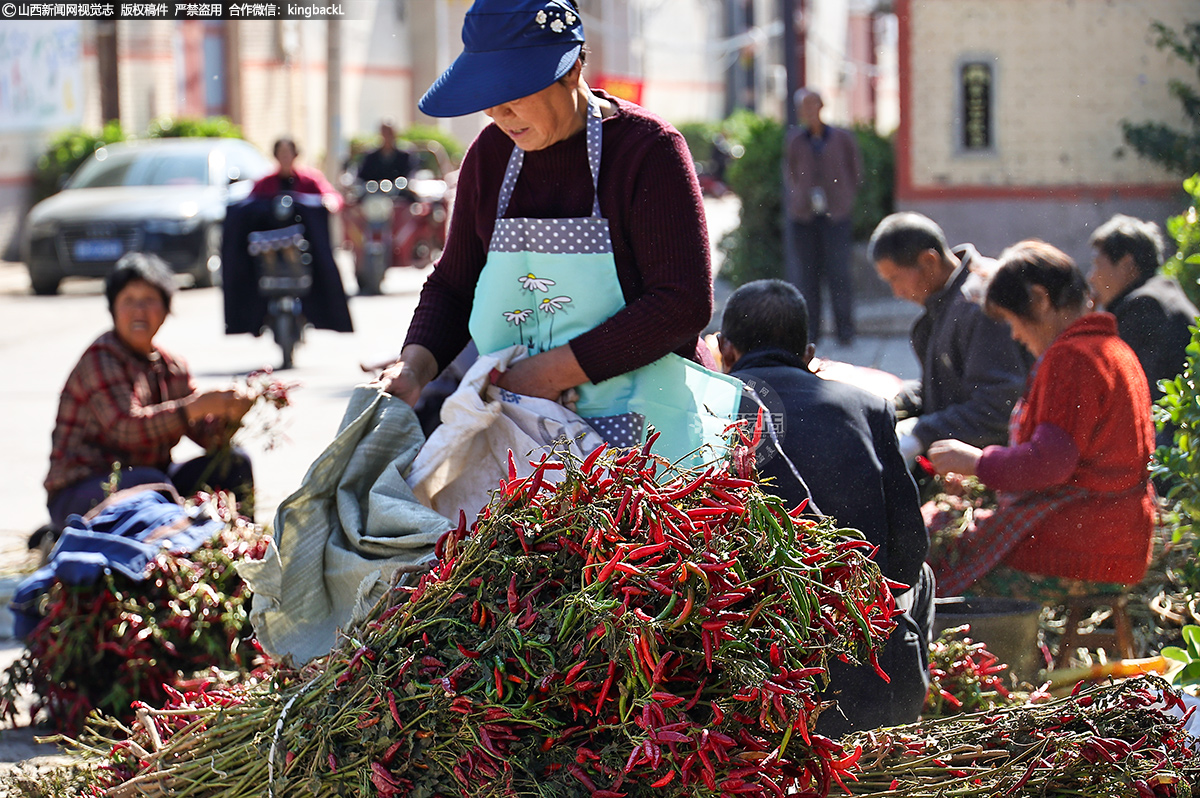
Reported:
(44, 283)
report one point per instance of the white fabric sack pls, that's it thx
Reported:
(467, 455)
(339, 539)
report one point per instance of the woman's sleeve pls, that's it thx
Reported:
(129, 424)
(668, 236)
(440, 321)
(1048, 458)
(326, 189)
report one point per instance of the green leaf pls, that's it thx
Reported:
(1190, 674)
(1191, 635)
(1176, 653)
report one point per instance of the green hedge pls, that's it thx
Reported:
(1184, 230)
(65, 152)
(754, 250)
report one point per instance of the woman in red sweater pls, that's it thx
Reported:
(1076, 507)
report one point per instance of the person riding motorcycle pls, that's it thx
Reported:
(389, 161)
(312, 199)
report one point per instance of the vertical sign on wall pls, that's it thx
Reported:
(976, 86)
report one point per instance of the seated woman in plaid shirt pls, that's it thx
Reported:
(127, 403)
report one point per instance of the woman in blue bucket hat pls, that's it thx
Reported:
(578, 231)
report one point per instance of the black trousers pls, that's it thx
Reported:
(822, 266)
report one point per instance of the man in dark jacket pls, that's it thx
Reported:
(389, 162)
(1153, 314)
(842, 441)
(972, 372)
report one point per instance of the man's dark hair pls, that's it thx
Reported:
(1030, 263)
(766, 314)
(901, 237)
(144, 266)
(279, 142)
(1124, 235)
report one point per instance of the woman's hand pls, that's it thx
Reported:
(228, 404)
(954, 457)
(406, 377)
(548, 375)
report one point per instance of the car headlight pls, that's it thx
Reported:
(174, 227)
(376, 208)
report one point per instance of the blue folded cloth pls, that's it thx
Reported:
(124, 536)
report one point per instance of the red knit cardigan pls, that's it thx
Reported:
(1089, 384)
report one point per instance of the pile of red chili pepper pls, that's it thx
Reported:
(106, 645)
(964, 676)
(1110, 740)
(600, 630)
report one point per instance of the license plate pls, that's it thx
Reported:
(98, 249)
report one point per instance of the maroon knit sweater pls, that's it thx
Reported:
(648, 193)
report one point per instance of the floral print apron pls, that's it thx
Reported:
(547, 281)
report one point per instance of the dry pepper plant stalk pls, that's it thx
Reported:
(1114, 740)
(604, 636)
(106, 645)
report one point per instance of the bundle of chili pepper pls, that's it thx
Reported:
(606, 635)
(964, 676)
(949, 514)
(1110, 740)
(106, 645)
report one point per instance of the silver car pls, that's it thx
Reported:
(166, 196)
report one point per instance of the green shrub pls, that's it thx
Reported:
(1177, 465)
(1184, 229)
(212, 127)
(875, 198)
(417, 133)
(65, 153)
(699, 137)
(754, 250)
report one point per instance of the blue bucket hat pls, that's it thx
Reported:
(512, 48)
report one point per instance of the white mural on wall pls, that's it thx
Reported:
(41, 75)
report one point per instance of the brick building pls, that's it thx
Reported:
(1011, 111)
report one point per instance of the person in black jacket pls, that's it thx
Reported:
(842, 441)
(1153, 314)
(389, 161)
(972, 372)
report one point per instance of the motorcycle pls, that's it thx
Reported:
(394, 223)
(278, 270)
(284, 276)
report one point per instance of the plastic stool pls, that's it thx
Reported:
(1120, 637)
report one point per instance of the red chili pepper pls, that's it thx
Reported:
(513, 605)
(664, 780)
(394, 709)
(590, 461)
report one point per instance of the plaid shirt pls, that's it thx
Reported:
(119, 406)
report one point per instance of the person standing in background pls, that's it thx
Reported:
(821, 173)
